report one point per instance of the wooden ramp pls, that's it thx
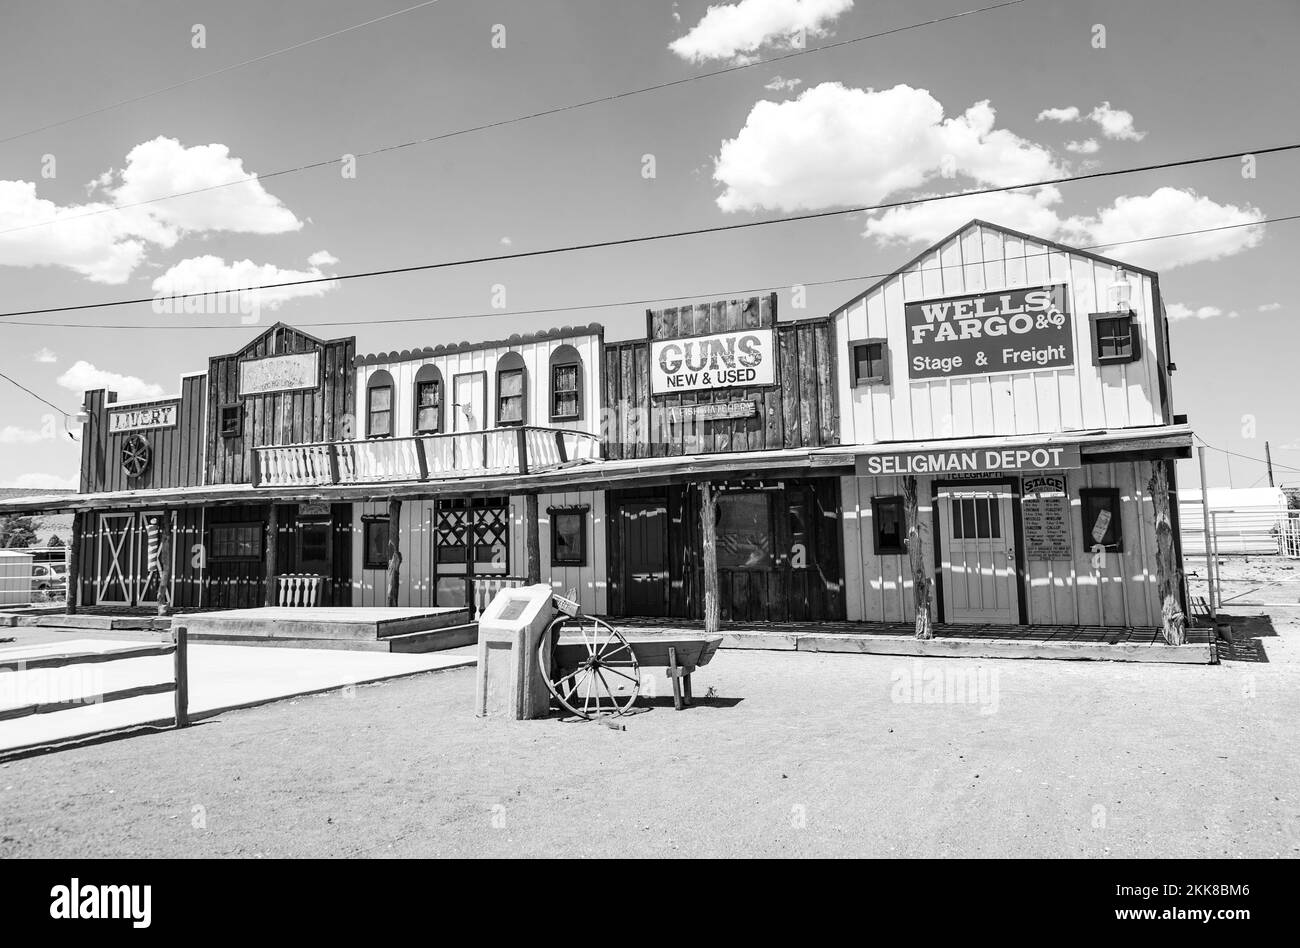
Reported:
(427, 629)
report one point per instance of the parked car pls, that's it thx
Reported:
(49, 582)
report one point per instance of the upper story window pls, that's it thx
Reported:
(870, 361)
(379, 405)
(428, 400)
(1114, 337)
(232, 421)
(566, 384)
(512, 389)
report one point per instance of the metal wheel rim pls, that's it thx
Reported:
(586, 692)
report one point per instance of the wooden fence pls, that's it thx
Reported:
(178, 647)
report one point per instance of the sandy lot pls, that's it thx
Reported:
(799, 754)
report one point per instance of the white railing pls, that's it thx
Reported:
(496, 451)
(487, 587)
(299, 589)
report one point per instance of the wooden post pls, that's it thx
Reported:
(709, 533)
(394, 554)
(920, 579)
(532, 539)
(180, 635)
(1173, 624)
(272, 542)
(74, 563)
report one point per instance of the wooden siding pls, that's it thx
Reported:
(177, 452)
(798, 411)
(1120, 593)
(324, 413)
(1082, 396)
(464, 360)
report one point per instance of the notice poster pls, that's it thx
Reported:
(1045, 514)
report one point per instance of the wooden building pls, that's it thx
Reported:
(985, 436)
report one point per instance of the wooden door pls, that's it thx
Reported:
(115, 579)
(978, 563)
(645, 558)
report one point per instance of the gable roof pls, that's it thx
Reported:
(978, 222)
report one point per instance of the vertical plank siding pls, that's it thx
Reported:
(176, 453)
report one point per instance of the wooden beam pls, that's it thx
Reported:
(74, 563)
(920, 579)
(272, 542)
(709, 532)
(394, 553)
(532, 540)
(1173, 622)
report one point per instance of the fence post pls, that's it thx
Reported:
(1211, 562)
(180, 635)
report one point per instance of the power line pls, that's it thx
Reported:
(646, 238)
(331, 162)
(216, 72)
(1245, 457)
(185, 327)
(34, 395)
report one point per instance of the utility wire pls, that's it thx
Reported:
(216, 72)
(330, 162)
(35, 396)
(1244, 457)
(646, 238)
(185, 327)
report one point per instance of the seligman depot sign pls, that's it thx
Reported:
(1010, 331)
(1037, 457)
(725, 360)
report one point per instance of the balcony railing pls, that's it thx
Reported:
(496, 451)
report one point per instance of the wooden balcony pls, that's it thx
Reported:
(497, 451)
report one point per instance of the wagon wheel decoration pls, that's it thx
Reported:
(135, 455)
(593, 672)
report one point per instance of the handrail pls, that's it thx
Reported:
(519, 449)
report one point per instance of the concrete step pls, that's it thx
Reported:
(434, 640)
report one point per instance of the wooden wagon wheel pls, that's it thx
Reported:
(607, 662)
(135, 455)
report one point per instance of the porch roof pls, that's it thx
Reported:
(1096, 446)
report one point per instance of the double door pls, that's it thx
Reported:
(123, 577)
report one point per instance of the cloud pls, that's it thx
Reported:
(83, 377)
(1032, 212)
(1179, 311)
(835, 146)
(105, 241)
(783, 85)
(42, 482)
(1270, 307)
(12, 434)
(734, 30)
(209, 273)
(1116, 123)
(44, 355)
(1067, 114)
(506, 242)
(1088, 146)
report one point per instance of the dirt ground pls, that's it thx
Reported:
(798, 754)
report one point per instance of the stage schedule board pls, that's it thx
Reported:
(1045, 516)
(1016, 330)
(724, 360)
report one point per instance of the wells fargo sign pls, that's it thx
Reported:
(1055, 457)
(725, 360)
(139, 419)
(1011, 331)
(285, 373)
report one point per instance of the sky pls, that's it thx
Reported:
(1031, 91)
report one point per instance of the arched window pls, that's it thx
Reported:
(428, 400)
(566, 384)
(512, 390)
(379, 405)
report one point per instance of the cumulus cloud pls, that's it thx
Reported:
(1032, 212)
(106, 239)
(1067, 114)
(1270, 307)
(1116, 123)
(44, 355)
(1088, 146)
(777, 84)
(835, 145)
(42, 482)
(1180, 311)
(83, 377)
(12, 434)
(209, 273)
(739, 30)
